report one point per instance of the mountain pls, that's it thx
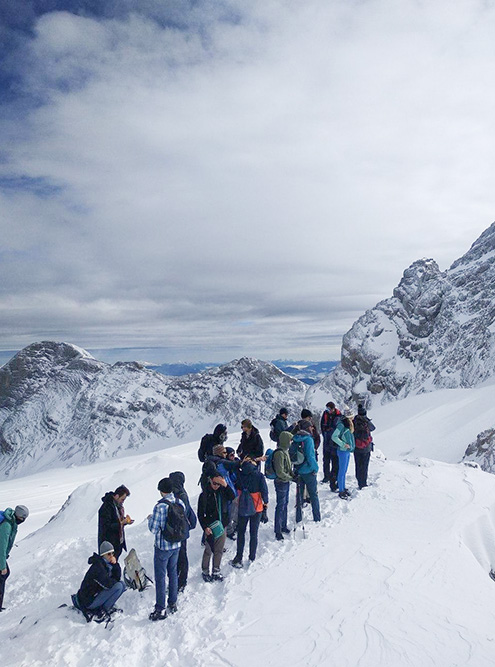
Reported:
(436, 331)
(308, 372)
(59, 404)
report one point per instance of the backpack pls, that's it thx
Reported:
(269, 469)
(273, 434)
(296, 452)
(134, 573)
(362, 435)
(176, 526)
(246, 504)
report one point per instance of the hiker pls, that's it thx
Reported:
(178, 480)
(279, 424)
(213, 516)
(282, 467)
(251, 445)
(364, 444)
(101, 587)
(343, 436)
(306, 471)
(253, 502)
(112, 519)
(168, 520)
(209, 440)
(234, 505)
(307, 417)
(10, 519)
(329, 420)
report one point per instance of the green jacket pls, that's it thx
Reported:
(8, 531)
(281, 461)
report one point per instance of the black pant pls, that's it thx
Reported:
(182, 564)
(3, 579)
(362, 460)
(334, 459)
(254, 524)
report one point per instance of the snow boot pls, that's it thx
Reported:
(158, 615)
(279, 536)
(207, 577)
(217, 576)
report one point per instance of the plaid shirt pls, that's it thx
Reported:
(157, 523)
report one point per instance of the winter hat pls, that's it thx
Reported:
(165, 485)
(218, 450)
(283, 411)
(348, 412)
(361, 410)
(306, 413)
(305, 425)
(106, 548)
(21, 512)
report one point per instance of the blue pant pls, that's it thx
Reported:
(308, 480)
(166, 564)
(343, 465)
(282, 490)
(107, 599)
(254, 524)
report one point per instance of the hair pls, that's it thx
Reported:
(165, 485)
(120, 490)
(306, 413)
(330, 405)
(348, 423)
(247, 422)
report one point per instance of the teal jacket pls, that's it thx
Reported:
(310, 463)
(8, 531)
(343, 438)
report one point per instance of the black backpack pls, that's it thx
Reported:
(176, 526)
(361, 428)
(273, 435)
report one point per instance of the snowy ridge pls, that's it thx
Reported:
(57, 403)
(396, 577)
(436, 332)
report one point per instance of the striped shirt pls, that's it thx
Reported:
(157, 522)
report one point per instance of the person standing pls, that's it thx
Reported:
(363, 426)
(343, 436)
(329, 420)
(166, 553)
(10, 519)
(178, 480)
(251, 445)
(209, 440)
(283, 469)
(307, 471)
(213, 516)
(279, 424)
(251, 482)
(112, 519)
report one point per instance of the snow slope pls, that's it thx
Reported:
(396, 577)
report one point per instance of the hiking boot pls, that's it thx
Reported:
(363, 486)
(324, 481)
(347, 493)
(115, 610)
(232, 536)
(172, 608)
(207, 577)
(344, 495)
(279, 536)
(286, 531)
(334, 487)
(181, 589)
(236, 563)
(158, 615)
(217, 576)
(101, 616)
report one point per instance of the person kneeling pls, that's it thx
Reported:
(101, 586)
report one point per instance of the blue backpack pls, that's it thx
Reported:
(269, 469)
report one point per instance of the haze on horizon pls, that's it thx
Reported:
(221, 179)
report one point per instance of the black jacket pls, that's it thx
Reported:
(208, 505)
(98, 578)
(109, 527)
(251, 445)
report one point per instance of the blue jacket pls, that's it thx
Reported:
(310, 463)
(343, 438)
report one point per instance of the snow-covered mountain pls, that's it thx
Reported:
(58, 403)
(436, 332)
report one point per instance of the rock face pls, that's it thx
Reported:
(437, 331)
(59, 404)
(483, 450)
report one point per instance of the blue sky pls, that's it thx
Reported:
(226, 178)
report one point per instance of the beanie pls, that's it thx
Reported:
(361, 410)
(283, 411)
(106, 548)
(306, 413)
(165, 485)
(21, 512)
(218, 450)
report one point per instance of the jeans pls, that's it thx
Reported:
(182, 565)
(343, 465)
(282, 490)
(308, 480)
(165, 564)
(107, 599)
(3, 579)
(362, 461)
(254, 524)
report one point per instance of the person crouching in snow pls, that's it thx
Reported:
(101, 586)
(343, 436)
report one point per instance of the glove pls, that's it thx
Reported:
(264, 516)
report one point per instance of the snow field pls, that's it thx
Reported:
(395, 577)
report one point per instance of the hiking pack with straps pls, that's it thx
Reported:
(362, 435)
(273, 434)
(269, 468)
(175, 529)
(296, 452)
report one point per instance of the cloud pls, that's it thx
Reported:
(169, 173)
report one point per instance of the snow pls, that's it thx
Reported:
(396, 577)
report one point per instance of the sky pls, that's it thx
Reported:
(213, 179)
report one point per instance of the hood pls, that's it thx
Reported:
(177, 478)
(9, 515)
(107, 497)
(284, 440)
(219, 429)
(248, 468)
(94, 558)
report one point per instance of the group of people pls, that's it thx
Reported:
(234, 495)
